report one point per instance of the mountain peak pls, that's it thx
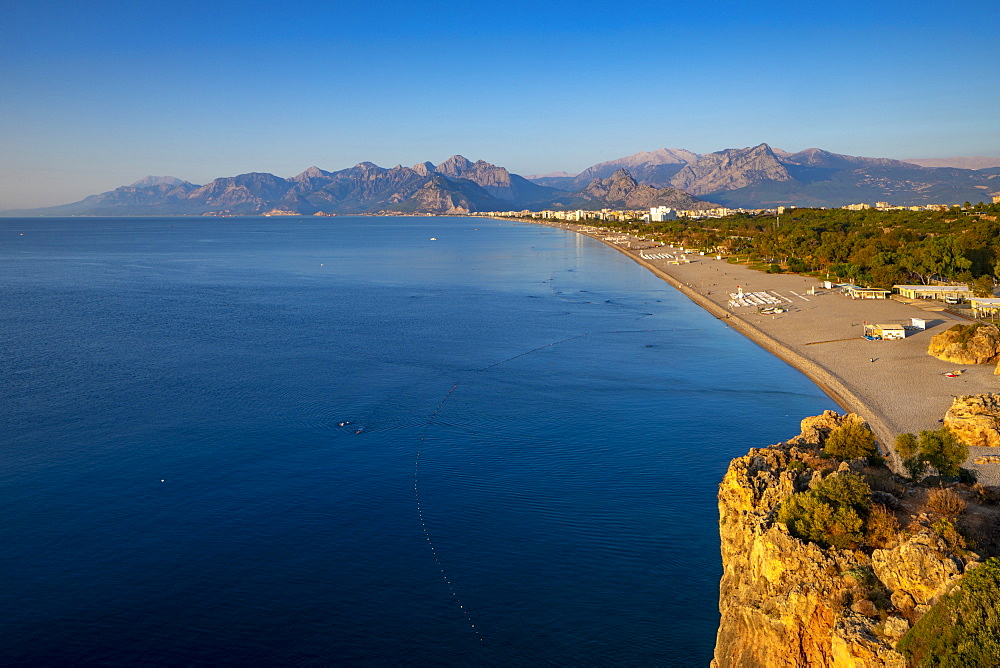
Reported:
(151, 181)
(454, 166)
(423, 168)
(313, 172)
(760, 148)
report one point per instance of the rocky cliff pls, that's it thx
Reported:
(967, 344)
(762, 176)
(786, 601)
(730, 170)
(975, 419)
(622, 191)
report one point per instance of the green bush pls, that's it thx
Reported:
(797, 265)
(832, 514)
(963, 628)
(939, 448)
(851, 440)
(906, 445)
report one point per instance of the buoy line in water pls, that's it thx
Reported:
(423, 523)
(558, 295)
(533, 350)
(416, 482)
(470, 619)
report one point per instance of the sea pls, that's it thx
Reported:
(367, 441)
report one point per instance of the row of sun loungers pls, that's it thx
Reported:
(753, 300)
(656, 256)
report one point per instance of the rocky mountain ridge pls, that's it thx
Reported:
(764, 177)
(622, 191)
(457, 185)
(753, 177)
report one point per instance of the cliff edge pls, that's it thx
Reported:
(830, 562)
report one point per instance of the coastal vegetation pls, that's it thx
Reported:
(850, 494)
(940, 450)
(831, 514)
(852, 440)
(963, 628)
(870, 247)
(832, 561)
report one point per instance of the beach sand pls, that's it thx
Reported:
(903, 390)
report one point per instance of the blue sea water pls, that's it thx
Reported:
(535, 431)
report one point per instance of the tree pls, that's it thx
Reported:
(940, 448)
(906, 445)
(935, 256)
(851, 440)
(832, 513)
(982, 286)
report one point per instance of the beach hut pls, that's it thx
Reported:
(885, 332)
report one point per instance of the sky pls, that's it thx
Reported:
(100, 94)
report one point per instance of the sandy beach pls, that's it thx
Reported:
(903, 390)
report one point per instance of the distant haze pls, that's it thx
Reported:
(752, 177)
(969, 162)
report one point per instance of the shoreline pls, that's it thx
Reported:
(894, 385)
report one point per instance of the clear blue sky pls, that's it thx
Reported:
(95, 95)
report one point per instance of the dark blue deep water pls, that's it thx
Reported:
(543, 426)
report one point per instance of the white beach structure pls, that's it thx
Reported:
(888, 332)
(985, 307)
(940, 292)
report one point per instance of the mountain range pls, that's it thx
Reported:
(753, 177)
(764, 177)
(455, 186)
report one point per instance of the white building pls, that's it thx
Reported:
(658, 214)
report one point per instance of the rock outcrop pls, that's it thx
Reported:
(730, 169)
(621, 190)
(788, 602)
(975, 419)
(967, 344)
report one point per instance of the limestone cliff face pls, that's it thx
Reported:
(730, 169)
(622, 190)
(788, 602)
(967, 344)
(975, 419)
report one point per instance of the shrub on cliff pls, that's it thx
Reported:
(851, 440)
(963, 628)
(882, 527)
(946, 502)
(831, 514)
(939, 448)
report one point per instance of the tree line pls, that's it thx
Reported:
(869, 247)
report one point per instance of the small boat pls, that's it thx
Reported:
(434, 239)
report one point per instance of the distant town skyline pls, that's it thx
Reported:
(100, 95)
